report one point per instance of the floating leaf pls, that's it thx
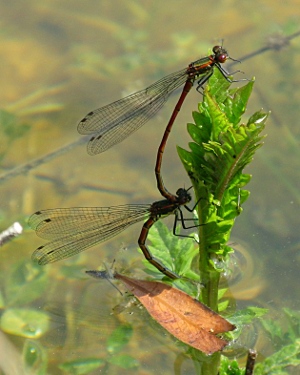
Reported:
(184, 317)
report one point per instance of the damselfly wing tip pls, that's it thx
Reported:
(81, 127)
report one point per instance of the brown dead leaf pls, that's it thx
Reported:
(185, 318)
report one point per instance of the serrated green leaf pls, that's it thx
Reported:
(203, 124)
(222, 306)
(246, 316)
(228, 367)
(218, 86)
(175, 253)
(293, 326)
(275, 364)
(220, 163)
(219, 120)
(221, 292)
(258, 118)
(285, 330)
(238, 102)
(272, 328)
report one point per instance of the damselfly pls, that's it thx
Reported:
(72, 230)
(114, 122)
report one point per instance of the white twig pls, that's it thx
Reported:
(13, 231)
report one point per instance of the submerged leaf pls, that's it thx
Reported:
(25, 322)
(82, 366)
(34, 357)
(288, 356)
(124, 361)
(119, 338)
(25, 283)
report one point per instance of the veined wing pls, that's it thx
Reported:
(72, 230)
(116, 121)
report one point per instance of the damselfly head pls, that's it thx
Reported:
(221, 55)
(183, 195)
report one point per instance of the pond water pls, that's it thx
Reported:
(60, 60)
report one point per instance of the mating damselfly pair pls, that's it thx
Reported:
(72, 230)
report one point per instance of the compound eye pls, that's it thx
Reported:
(216, 49)
(179, 191)
(222, 58)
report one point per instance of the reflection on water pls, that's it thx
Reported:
(77, 322)
(244, 275)
(61, 60)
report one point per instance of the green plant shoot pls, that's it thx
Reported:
(222, 146)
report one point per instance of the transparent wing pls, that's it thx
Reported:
(72, 230)
(114, 122)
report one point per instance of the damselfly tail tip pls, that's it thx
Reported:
(93, 273)
(99, 274)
